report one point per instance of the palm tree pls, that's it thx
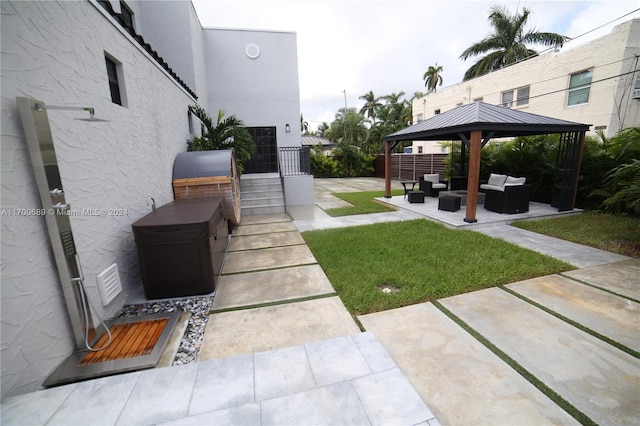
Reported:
(304, 126)
(433, 78)
(227, 133)
(349, 127)
(371, 106)
(507, 43)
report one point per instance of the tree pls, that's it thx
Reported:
(323, 130)
(433, 78)
(507, 43)
(304, 126)
(348, 127)
(371, 106)
(227, 133)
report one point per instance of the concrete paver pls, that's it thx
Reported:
(263, 228)
(597, 378)
(572, 253)
(261, 329)
(277, 239)
(460, 379)
(621, 277)
(270, 258)
(612, 316)
(261, 287)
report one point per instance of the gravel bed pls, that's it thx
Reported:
(194, 334)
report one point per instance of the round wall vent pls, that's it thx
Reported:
(252, 51)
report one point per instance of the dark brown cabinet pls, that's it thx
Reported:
(181, 247)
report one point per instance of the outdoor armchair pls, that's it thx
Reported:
(506, 194)
(431, 184)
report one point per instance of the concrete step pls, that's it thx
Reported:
(260, 210)
(255, 202)
(262, 185)
(248, 195)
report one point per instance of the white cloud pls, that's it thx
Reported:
(386, 45)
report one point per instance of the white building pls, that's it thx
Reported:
(597, 83)
(140, 65)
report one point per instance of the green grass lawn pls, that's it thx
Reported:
(614, 233)
(362, 203)
(423, 260)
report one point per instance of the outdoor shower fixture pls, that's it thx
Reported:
(56, 211)
(41, 107)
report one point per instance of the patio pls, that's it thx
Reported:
(484, 217)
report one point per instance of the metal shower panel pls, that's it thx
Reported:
(55, 208)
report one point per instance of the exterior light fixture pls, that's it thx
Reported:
(287, 128)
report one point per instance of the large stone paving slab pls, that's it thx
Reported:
(460, 379)
(278, 257)
(276, 239)
(262, 329)
(263, 228)
(264, 218)
(610, 315)
(598, 379)
(270, 286)
(621, 277)
(572, 253)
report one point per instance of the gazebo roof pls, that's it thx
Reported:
(493, 120)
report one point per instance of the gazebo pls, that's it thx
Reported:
(476, 123)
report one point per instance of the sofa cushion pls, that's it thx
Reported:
(438, 185)
(435, 178)
(487, 186)
(513, 181)
(497, 180)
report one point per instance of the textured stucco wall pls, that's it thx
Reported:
(54, 51)
(549, 74)
(261, 92)
(173, 30)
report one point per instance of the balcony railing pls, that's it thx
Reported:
(295, 161)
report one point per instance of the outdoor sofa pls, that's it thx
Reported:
(506, 194)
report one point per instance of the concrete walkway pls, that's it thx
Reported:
(280, 348)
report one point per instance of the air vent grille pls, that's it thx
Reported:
(109, 284)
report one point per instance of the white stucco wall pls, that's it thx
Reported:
(173, 30)
(548, 76)
(54, 51)
(263, 91)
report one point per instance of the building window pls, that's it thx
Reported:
(190, 121)
(507, 99)
(436, 112)
(114, 81)
(636, 89)
(459, 104)
(419, 150)
(478, 99)
(127, 18)
(522, 96)
(419, 118)
(579, 88)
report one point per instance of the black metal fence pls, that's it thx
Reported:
(295, 160)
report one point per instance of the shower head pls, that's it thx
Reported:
(90, 110)
(92, 119)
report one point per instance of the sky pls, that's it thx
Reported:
(348, 47)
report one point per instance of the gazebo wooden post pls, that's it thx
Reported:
(474, 176)
(387, 169)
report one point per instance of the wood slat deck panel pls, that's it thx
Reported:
(128, 340)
